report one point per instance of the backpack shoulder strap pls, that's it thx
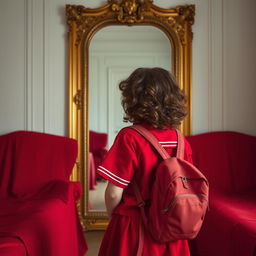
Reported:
(181, 146)
(152, 139)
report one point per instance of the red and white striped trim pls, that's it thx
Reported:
(172, 144)
(113, 176)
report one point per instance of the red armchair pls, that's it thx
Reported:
(97, 147)
(38, 215)
(228, 161)
(98, 144)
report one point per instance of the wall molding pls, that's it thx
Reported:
(46, 104)
(35, 65)
(215, 68)
(28, 103)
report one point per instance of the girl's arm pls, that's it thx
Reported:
(113, 195)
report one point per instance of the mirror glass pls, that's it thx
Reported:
(114, 52)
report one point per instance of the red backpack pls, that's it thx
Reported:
(179, 197)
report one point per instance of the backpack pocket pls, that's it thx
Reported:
(177, 208)
(182, 218)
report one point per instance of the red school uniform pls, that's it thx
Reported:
(132, 157)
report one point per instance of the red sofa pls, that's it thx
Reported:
(38, 214)
(228, 159)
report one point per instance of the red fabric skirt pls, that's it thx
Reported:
(122, 239)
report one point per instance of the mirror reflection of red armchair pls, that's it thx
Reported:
(38, 214)
(98, 144)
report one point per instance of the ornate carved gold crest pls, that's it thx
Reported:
(130, 11)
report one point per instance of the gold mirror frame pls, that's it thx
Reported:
(83, 24)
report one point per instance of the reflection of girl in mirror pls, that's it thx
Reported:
(151, 98)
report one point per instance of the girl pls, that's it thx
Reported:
(152, 98)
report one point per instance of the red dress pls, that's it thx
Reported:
(132, 157)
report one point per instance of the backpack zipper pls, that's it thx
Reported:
(185, 179)
(165, 210)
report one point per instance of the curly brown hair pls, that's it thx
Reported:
(152, 95)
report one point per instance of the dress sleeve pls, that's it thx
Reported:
(121, 161)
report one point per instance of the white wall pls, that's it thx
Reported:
(33, 64)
